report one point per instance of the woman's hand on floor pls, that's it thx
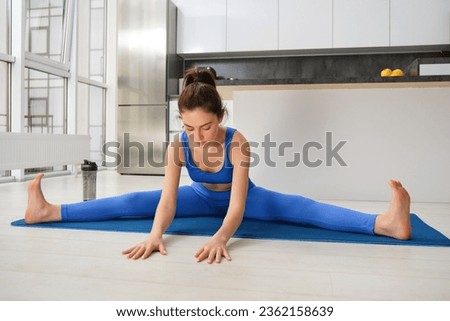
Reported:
(213, 251)
(145, 249)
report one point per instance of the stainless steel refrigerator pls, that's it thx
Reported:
(147, 74)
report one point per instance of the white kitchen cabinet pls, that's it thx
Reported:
(420, 22)
(201, 26)
(252, 25)
(305, 24)
(360, 23)
(207, 26)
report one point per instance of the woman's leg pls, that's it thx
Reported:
(272, 206)
(138, 204)
(267, 205)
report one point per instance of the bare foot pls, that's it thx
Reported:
(39, 210)
(396, 221)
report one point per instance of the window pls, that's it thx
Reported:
(91, 74)
(45, 96)
(91, 105)
(4, 103)
(5, 60)
(46, 21)
(91, 39)
(48, 34)
(5, 29)
(43, 99)
(4, 94)
(5, 26)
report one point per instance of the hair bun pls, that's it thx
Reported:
(206, 75)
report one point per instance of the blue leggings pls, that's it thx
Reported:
(197, 200)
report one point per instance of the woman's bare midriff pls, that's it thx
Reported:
(217, 187)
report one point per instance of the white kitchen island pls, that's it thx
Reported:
(379, 131)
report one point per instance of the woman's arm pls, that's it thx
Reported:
(215, 249)
(165, 211)
(167, 204)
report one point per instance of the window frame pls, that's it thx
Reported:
(7, 54)
(6, 57)
(53, 67)
(35, 61)
(92, 83)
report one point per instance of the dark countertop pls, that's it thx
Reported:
(227, 87)
(343, 80)
(325, 66)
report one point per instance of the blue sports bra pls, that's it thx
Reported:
(223, 176)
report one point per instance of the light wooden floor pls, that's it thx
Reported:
(46, 264)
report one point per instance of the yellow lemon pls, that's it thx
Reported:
(397, 73)
(386, 72)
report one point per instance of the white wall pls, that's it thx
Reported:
(400, 133)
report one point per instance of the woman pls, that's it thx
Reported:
(217, 159)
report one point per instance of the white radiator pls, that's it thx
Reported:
(22, 150)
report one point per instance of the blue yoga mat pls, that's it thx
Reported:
(422, 235)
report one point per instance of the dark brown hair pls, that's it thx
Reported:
(199, 91)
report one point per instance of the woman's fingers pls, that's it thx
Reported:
(226, 255)
(201, 254)
(162, 249)
(145, 249)
(131, 252)
(140, 250)
(213, 255)
(128, 251)
(148, 251)
(197, 254)
(218, 256)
